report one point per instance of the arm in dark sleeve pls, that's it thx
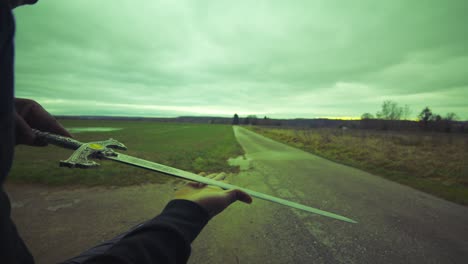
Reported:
(12, 247)
(165, 239)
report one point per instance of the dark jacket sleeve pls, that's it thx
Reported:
(12, 248)
(165, 239)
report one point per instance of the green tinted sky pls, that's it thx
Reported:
(275, 58)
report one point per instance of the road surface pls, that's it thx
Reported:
(397, 224)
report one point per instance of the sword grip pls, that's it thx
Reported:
(57, 140)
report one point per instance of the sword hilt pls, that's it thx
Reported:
(83, 151)
(61, 141)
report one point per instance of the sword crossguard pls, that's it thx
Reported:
(96, 149)
(83, 151)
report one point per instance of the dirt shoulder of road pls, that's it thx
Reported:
(60, 222)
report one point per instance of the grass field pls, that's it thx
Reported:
(192, 147)
(436, 163)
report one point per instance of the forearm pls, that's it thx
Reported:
(164, 239)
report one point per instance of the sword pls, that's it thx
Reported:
(105, 150)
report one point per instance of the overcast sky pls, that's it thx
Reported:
(283, 59)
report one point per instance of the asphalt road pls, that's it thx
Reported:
(397, 224)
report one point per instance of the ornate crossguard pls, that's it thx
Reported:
(79, 158)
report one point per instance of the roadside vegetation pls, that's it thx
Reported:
(428, 152)
(193, 147)
(433, 162)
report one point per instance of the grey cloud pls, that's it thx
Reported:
(286, 58)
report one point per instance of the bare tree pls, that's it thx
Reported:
(390, 111)
(451, 116)
(406, 112)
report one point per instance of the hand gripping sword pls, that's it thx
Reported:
(104, 150)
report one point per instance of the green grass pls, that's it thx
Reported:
(193, 147)
(435, 163)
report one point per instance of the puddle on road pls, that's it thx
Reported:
(92, 129)
(241, 161)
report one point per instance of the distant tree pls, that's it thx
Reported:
(451, 117)
(246, 121)
(406, 113)
(367, 116)
(445, 124)
(425, 116)
(436, 118)
(390, 111)
(235, 119)
(253, 119)
(441, 124)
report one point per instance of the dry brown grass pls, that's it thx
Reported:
(433, 162)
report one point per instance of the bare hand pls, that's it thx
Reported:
(29, 114)
(213, 199)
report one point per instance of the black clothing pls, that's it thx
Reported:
(12, 248)
(163, 239)
(7, 31)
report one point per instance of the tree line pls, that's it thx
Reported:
(391, 116)
(427, 120)
(249, 120)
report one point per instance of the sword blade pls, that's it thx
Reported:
(153, 166)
